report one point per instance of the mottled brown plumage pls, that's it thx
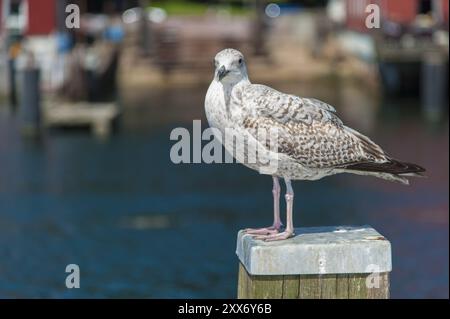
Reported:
(310, 132)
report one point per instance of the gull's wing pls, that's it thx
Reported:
(286, 108)
(308, 130)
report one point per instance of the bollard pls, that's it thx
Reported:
(30, 100)
(433, 85)
(12, 83)
(318, 263)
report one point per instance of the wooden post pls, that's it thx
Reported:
(12, 82)
(30, 101)
(318, 263)
(433, 84)
(145, 25)
(259, 29)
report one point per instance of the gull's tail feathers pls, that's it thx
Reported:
(392, 170)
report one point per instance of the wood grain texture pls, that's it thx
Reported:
(334, 286)
(242, 282)
(342, 286)
(381, 289)
(291, 287)
(328, 286)
(357, 286)
(309, 287)
(266, 287)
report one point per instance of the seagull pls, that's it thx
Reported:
(311, 142)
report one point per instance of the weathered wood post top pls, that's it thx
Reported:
(319, 262)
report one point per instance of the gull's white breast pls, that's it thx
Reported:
(224, 118)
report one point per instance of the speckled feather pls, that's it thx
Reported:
(308, 129)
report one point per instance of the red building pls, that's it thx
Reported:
(42, 17)
(402, 12)
(28, 17)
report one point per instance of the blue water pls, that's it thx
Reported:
(139, 226)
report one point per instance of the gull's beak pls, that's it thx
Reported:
(222, 72)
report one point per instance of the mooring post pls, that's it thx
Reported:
(30, 99)
(12, 83)
(318, 263)
(433, 84)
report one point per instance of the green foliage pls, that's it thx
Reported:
(180, 7)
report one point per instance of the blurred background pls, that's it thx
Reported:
(86, 114)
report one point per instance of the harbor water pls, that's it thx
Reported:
(138, 225)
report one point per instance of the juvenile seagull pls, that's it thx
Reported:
(311, 141)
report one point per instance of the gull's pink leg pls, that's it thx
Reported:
(289, 231)
(275, 228)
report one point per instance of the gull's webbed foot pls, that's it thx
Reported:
(262, 231)
(274, 229)
(274, 237)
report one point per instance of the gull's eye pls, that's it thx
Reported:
(240, 61)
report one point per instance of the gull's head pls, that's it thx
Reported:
(230, 66)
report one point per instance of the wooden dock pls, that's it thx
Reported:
(318, 263)
(98, 116)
